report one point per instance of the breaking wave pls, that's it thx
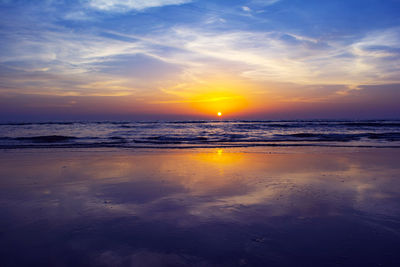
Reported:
(181, 134)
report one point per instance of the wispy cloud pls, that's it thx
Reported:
(65, 63)
(264, 2)
(127, 5)
(272, 57)
(286, 57)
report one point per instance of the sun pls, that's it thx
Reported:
(219, 114)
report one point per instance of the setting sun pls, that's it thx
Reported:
(219, 114)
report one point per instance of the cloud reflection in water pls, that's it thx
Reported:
(211, 207)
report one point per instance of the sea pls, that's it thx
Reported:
(200, 134)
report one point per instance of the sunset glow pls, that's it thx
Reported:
(187, 59)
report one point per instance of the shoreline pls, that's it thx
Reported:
(240, 149)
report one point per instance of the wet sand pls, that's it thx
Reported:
(214, 207)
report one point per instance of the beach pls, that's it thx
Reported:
(284, 206)
(170, 133)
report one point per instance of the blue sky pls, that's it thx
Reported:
(154, 58)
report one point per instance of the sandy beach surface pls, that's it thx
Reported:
(200, 207)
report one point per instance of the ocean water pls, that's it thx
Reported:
(208, 134)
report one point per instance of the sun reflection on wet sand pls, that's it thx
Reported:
(157, 203)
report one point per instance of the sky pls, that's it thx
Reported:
(190, 59)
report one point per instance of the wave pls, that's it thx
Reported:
(211, 139)
(395, 136)
(201, 133)
(240, 124)
(46, 138)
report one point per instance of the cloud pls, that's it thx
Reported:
(287, 57)
(192, 54)
(127, 5)
(377, 55)
(66, 63)
(246, 8)
(261, 55)
(264, 2)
